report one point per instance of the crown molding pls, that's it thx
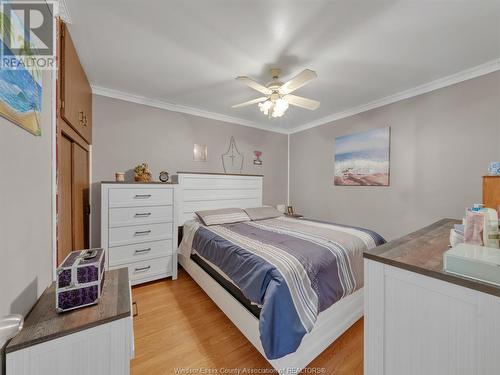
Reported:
(489, 67)
(63, 11)
(464, 75)
(110, 93)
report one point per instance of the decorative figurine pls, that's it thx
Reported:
(142, 173)
(257, 160)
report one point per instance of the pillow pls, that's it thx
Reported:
(222, 216)
(261, 213)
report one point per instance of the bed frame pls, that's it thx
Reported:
(207, 191)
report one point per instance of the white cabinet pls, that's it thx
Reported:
(415, 324)
(94, 340)
(102, 350)
(139, 229)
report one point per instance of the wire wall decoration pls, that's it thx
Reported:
(232, 159)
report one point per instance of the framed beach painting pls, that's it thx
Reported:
(363, 159)
(20, 88)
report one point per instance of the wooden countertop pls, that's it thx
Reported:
(43, 323)
(422, 252)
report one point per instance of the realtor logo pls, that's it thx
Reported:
(27, 33)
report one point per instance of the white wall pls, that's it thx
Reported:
(441, 144)
(25, 211)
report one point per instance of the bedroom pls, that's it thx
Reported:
(386, 129)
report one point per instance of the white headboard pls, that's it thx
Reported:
(206, 191)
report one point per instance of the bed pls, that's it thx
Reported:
(288, 308)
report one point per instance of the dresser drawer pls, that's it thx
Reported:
(136, 197)
(140, 233)
(120, 255)
(150, 269)
(125, 216)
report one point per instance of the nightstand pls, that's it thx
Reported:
(96, 339)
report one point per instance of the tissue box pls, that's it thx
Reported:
(80, 279)
(494, 169)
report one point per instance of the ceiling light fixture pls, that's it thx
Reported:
(276, 108)
(278, 95)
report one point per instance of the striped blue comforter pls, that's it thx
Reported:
(293, 268)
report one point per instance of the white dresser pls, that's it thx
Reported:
(139, 229)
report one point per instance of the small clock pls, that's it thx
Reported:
(164, 176)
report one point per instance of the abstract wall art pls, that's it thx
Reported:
(20, 91)
(200, 152)
(362, 159)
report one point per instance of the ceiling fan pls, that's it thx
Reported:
(278, 94)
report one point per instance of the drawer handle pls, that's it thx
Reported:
(142, 196)
(142, 232)
(142, 269)
(143, 214)
(135, 309)
(142, 251)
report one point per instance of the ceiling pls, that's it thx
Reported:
(187, 52)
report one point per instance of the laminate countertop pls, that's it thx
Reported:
(43, 323)
(422, 252)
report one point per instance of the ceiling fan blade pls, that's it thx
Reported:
(250, 102)
(298, 81)
(254, 85)
(301, 102)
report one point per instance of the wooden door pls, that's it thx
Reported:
(65, 216)
(76, 93)
(74, 136)
(80, 199)
(74, 205)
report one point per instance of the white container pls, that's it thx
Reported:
(477, 262)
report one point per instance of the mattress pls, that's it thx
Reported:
(291, 270)
(227, 285)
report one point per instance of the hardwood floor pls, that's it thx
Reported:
(179, 327)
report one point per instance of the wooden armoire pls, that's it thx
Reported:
(491, 192)
(74, 137)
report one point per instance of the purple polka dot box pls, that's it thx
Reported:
(80, 279)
